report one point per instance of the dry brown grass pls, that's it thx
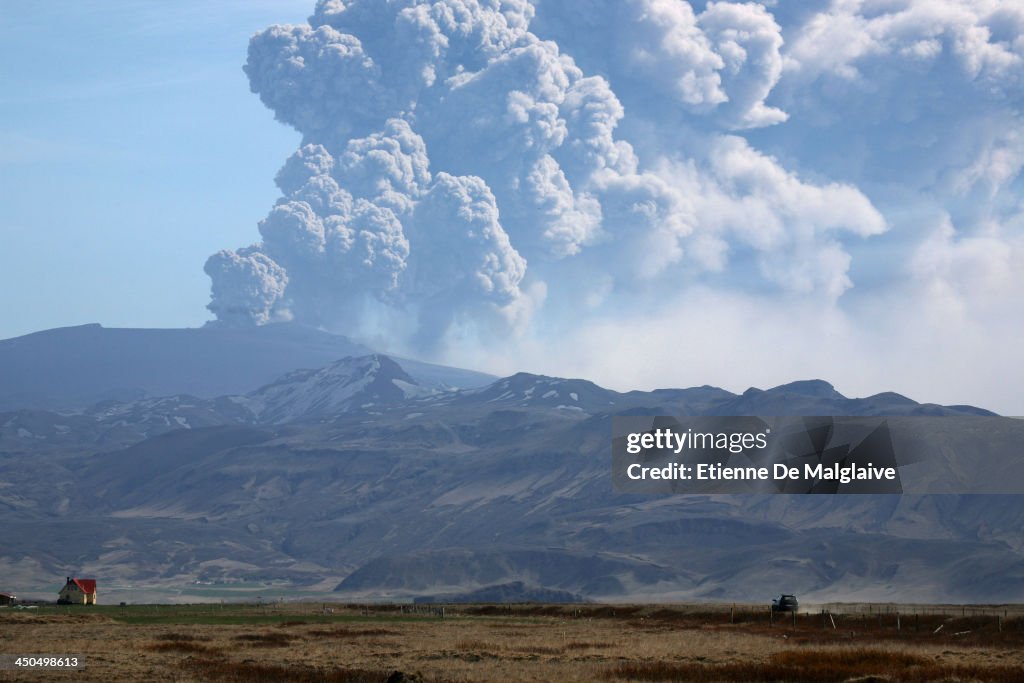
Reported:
(174, 636)
(525, 643)
(213, 670)
(186, 646)
(269, 639)
(353, 632)
(821, 666)
(519, 646)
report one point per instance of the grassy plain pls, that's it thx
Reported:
(325, 642)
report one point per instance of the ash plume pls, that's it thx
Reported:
(531, 170)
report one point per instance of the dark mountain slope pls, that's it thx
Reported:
(354, 476)
(73, 367)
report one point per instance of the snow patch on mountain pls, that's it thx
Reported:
(527, 390)
(348, 384)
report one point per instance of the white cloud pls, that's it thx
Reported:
(555, 174)
(844, 39)
(721, 63)
(749, 42)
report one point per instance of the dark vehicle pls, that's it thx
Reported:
(785, 603)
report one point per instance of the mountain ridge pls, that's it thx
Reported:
(353, 482)
(73, 367)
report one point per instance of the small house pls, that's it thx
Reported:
(7, 599)
(78, 592)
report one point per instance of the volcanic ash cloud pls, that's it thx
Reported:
(481, 166)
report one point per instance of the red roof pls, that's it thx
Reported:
(85, 585)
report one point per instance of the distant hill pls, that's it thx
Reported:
(359, 478)
(516, 591)
(366, 383)
(73, 367)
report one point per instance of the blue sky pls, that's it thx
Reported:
(738, 194)
(130, 150)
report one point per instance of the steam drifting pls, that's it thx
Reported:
(451, 158)
(475, 169)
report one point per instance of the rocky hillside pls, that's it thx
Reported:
(356, 476)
